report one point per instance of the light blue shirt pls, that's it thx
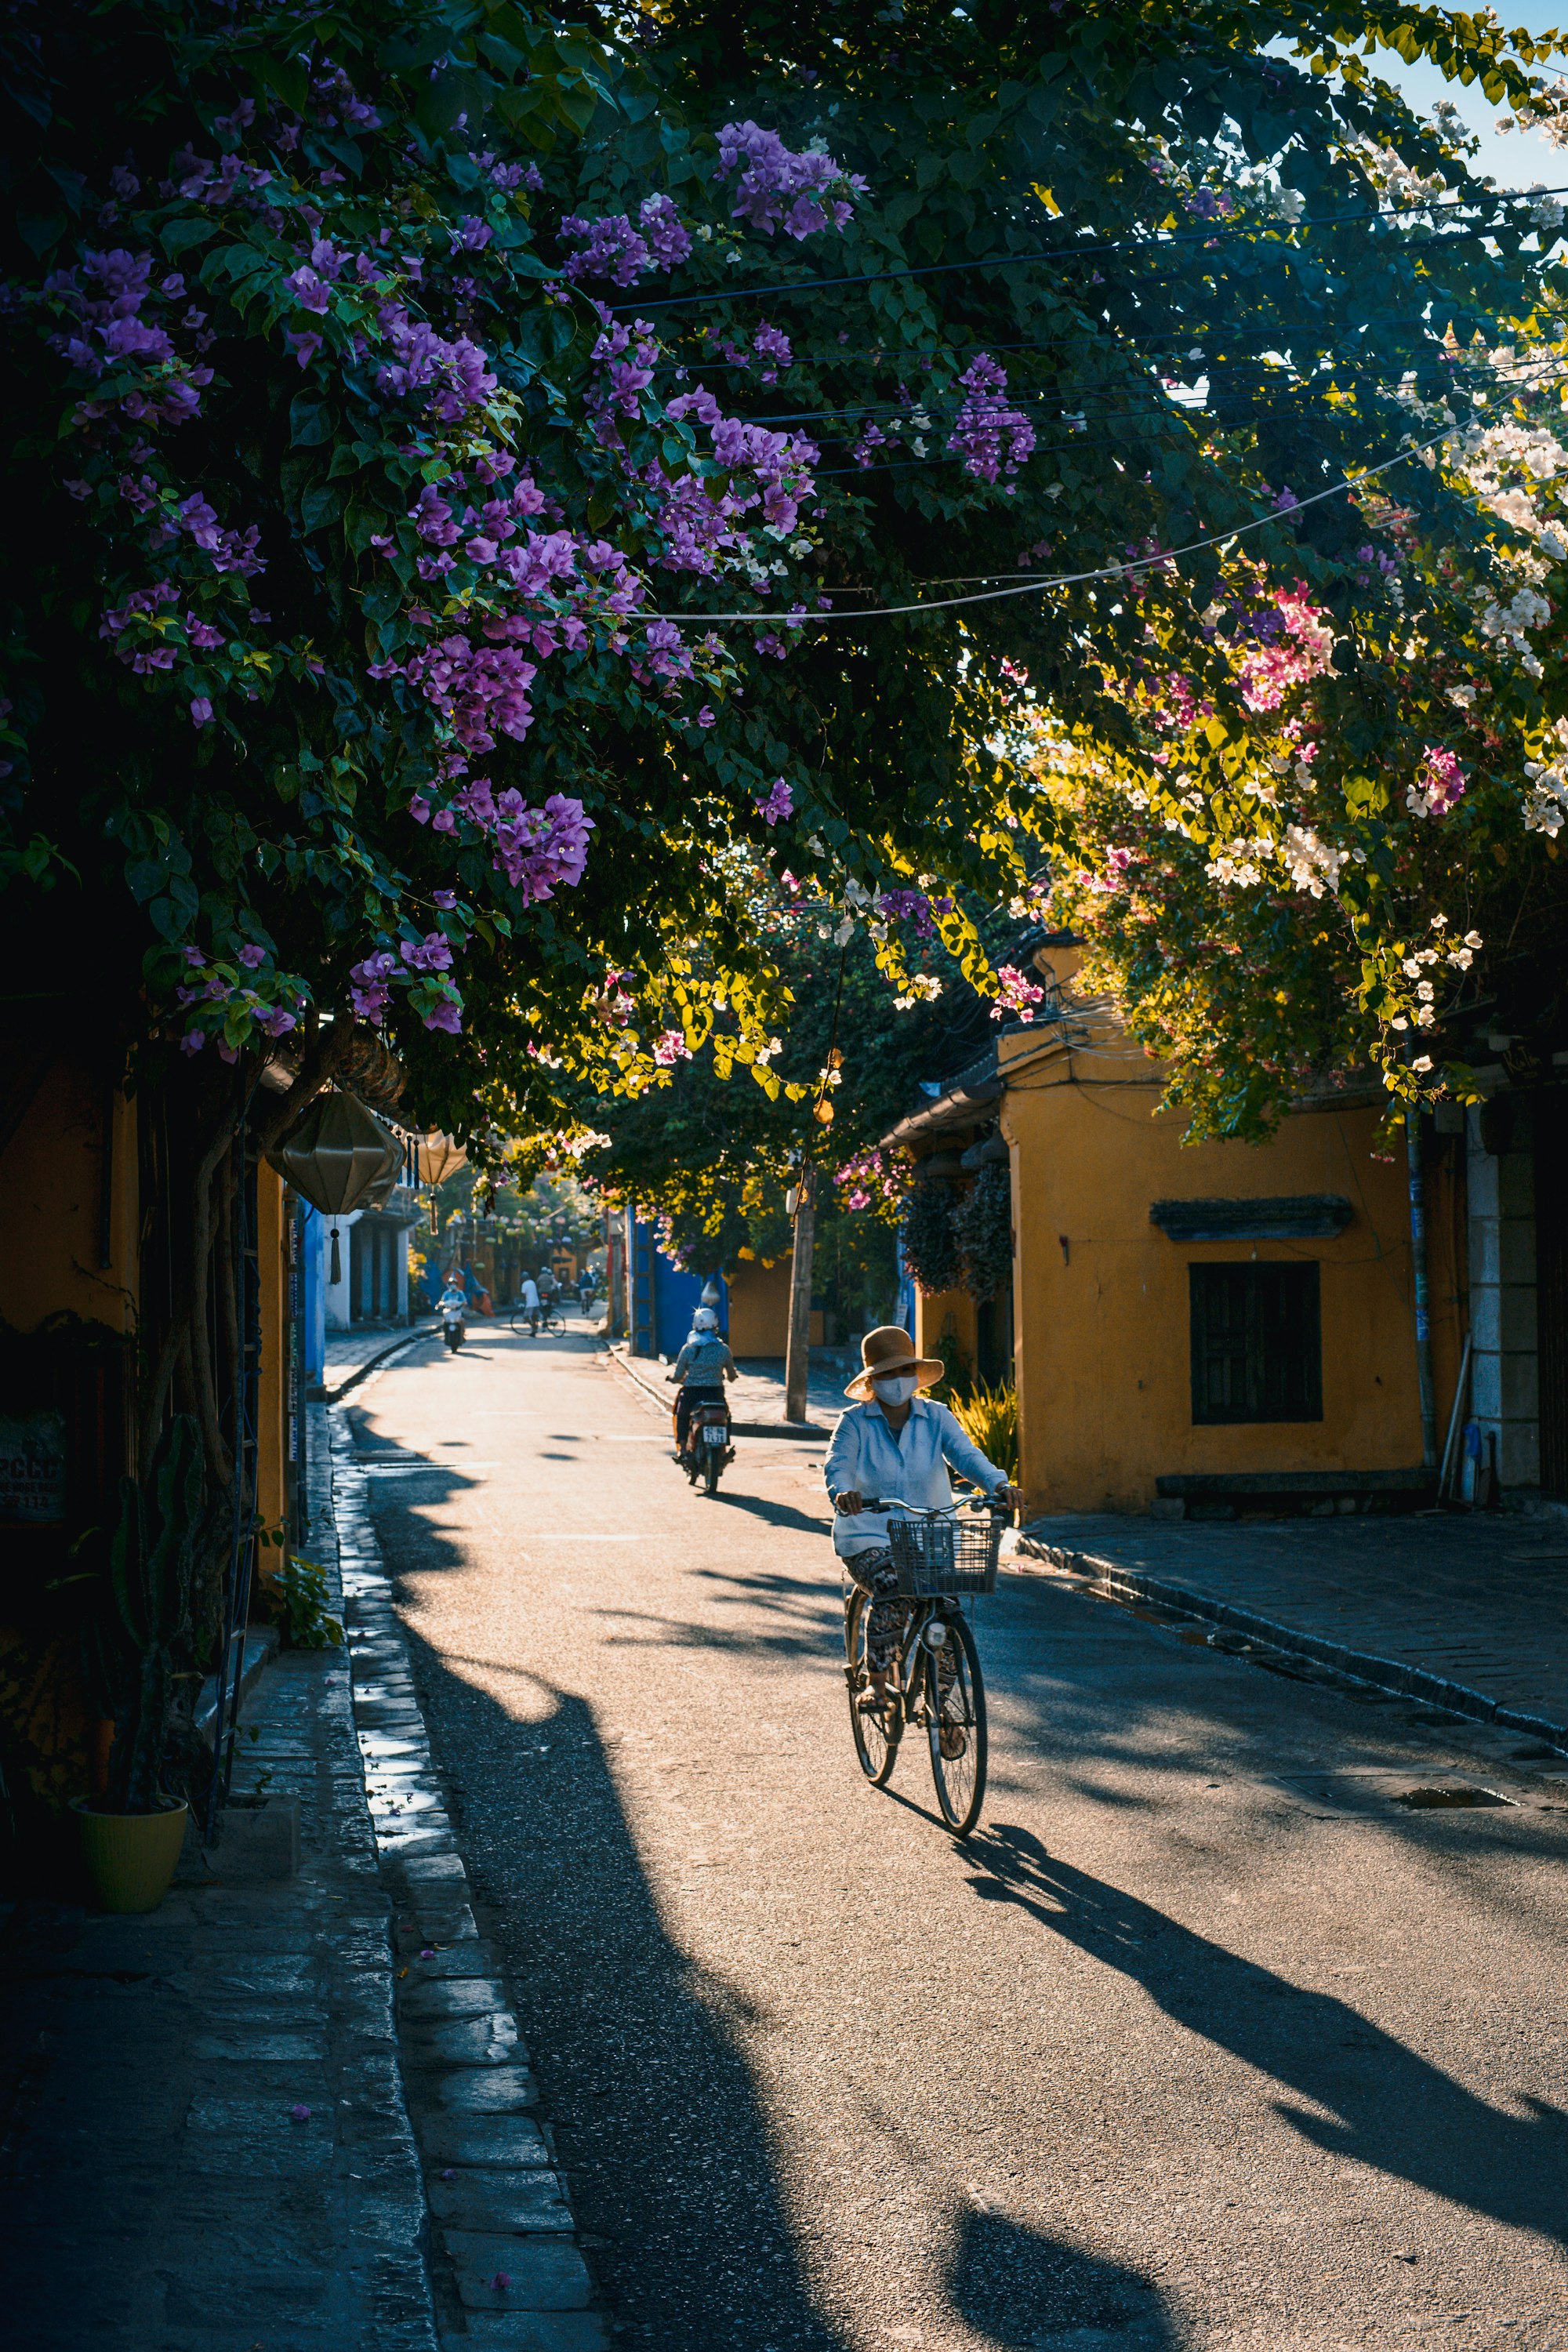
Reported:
(703, 1361)
(866, 1457)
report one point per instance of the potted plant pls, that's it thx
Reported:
(131, 1834)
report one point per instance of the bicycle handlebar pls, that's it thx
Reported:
(923, 1510)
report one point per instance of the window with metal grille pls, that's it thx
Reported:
(1256, 1343)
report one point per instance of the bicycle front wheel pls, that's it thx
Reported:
(875, 1745)
(955, 1726)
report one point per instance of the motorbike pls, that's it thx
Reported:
(707, 1446)
(454, 1328)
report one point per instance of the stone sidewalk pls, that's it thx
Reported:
(1467, 1611)
(205, 2145)
(205, 2142)
(505, 2265)
(351, 1355)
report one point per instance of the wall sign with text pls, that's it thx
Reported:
(33, 1465)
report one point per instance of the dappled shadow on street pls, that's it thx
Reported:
(1022, 2290)
(660, 2132)
(1385, 2106)
(776, 1515)
(641, 2051)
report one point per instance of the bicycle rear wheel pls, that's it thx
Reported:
(876, 1747)
(955, 1726)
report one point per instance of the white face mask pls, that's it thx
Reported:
(898, 1388)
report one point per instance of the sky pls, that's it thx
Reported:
(1513, 161)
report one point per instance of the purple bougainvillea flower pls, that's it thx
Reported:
(429, 1953)
(300, 2114)
(501, 2281)
(201, 710)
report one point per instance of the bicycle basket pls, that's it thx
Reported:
(932, 1557)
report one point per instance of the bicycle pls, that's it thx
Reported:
(534, 1319)
(934, 1683)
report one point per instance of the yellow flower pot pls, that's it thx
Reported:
(130, 1857)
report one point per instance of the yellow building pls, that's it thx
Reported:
(89, 1260)
(1214, 1327)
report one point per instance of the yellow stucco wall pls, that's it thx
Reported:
(51, 1182)
(1103, 1323)
(271, 1404)
(759, 1307)
(947, 1310)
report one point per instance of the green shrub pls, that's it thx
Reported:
(958, 1369)
(297, 1597)
(989, 1417)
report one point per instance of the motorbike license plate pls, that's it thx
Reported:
(714, 1435)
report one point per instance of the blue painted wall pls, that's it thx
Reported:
(313, 1301)
(666, 1298)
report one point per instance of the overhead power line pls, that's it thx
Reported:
(1211, 233)
(1064, 579)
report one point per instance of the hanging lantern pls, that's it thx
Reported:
(439, 1156)
(335, 1157)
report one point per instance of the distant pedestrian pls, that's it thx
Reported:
(530, 1302)
(586, 1286)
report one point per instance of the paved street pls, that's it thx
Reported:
(1202, 2041)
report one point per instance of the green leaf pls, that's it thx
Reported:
(321, 505)
(177, 236)
(41, 231)
(311, 420)
(361, 523)
(286, 76)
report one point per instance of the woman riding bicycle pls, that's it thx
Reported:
(894, 1442)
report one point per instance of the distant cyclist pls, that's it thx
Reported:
(528, 1301)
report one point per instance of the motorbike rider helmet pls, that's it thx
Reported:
(705, 1320)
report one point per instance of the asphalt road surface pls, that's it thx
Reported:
(1201, 2040)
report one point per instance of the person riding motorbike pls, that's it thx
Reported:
(894, 1443)
(702, 1366)
(453, 1301)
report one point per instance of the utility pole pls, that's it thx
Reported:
(797, 1364)
(1413, 1141)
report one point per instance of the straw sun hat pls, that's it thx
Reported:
(889, 1351)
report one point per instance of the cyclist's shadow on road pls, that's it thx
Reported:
(1392, 2108)
(643, 2056)
(1030, 2293)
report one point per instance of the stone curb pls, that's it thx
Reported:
(1390, 1675)
(803, 1431)
(506, 2265)
(357, 1372)
(258, 1646)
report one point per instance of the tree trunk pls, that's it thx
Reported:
(797, 1364)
